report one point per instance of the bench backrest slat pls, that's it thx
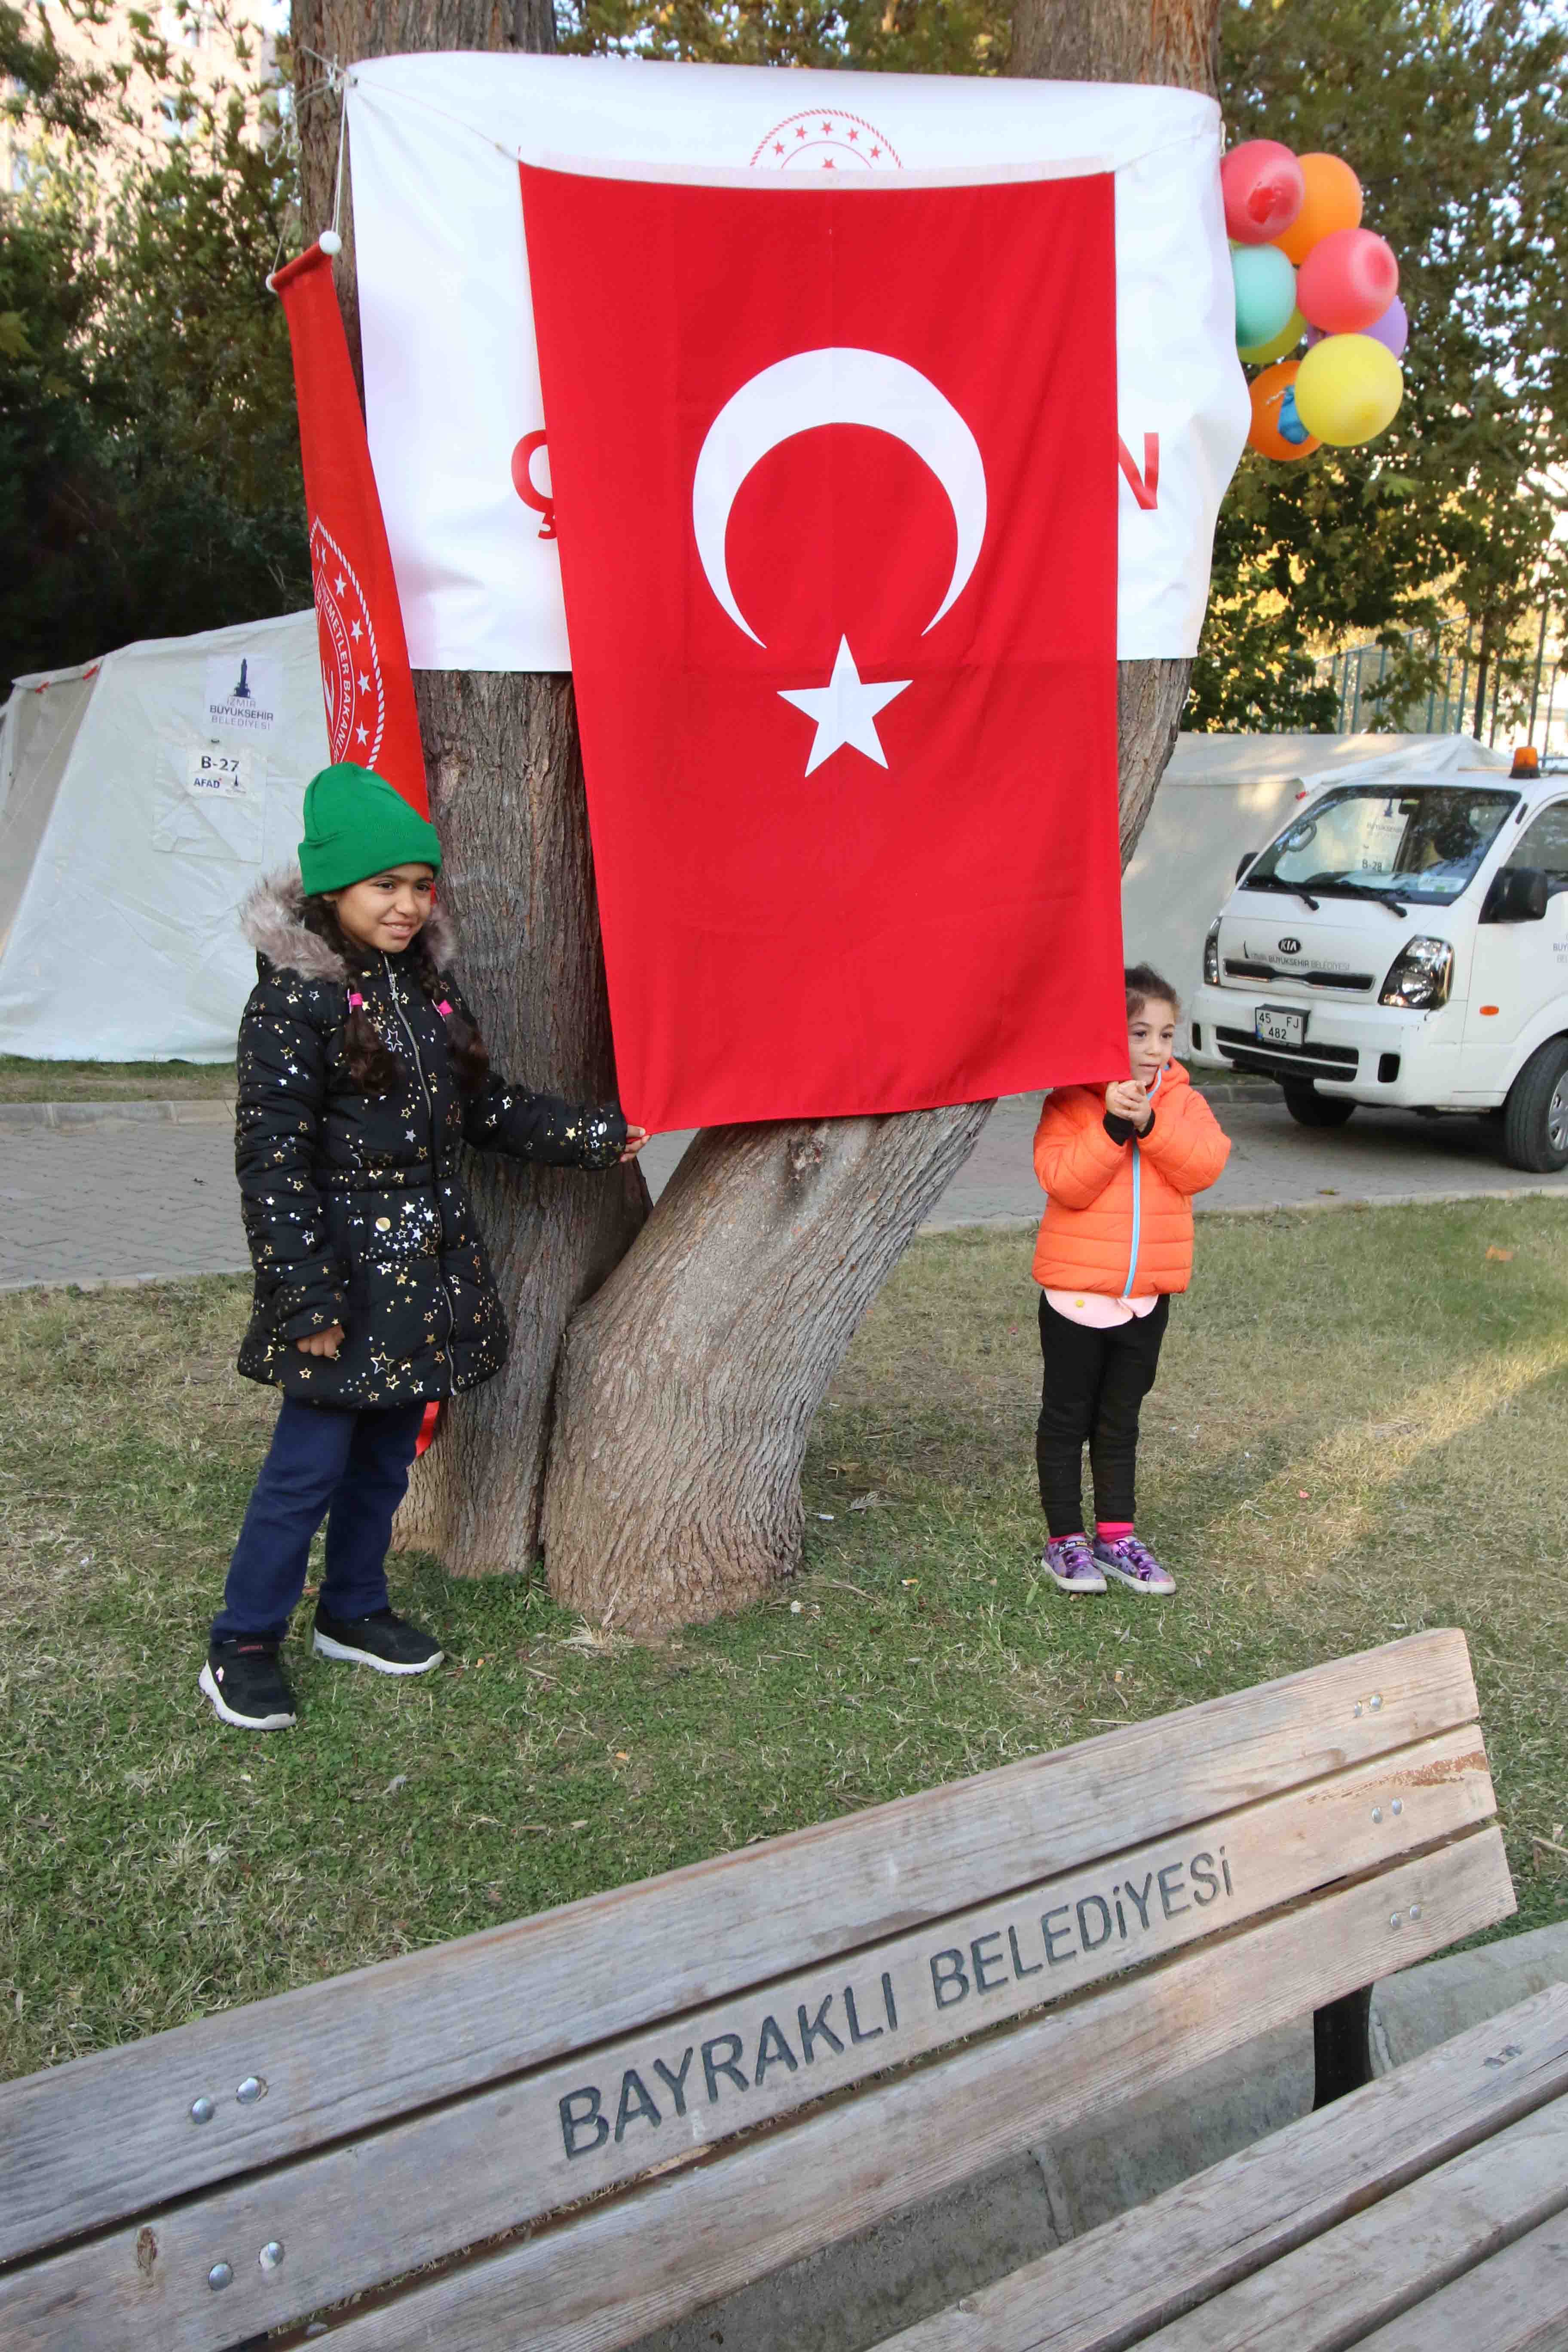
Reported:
(511, 2153)
(88, 2145)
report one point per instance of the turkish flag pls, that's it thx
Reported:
(366, 682)
(835, 477)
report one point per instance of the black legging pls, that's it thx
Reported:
(1093, 1384)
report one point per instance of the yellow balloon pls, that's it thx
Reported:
(1348, 390)
(1289, 335)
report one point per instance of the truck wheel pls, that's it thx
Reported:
(1308, 1108)
(1536, 1116)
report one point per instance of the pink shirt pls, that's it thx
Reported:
(1099, 1313)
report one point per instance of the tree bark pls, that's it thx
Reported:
(506, 790)
(687, 1385)
(1174, 41)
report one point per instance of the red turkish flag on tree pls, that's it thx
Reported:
(834, 479)
(366, 682)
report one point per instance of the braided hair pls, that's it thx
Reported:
(371, 1067)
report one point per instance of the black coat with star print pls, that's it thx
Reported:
(353, 1203)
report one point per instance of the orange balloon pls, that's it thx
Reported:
(1333, 201)
(1264, 435)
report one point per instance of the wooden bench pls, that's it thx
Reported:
(574, 2129)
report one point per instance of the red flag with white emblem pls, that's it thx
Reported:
(366, 682)
(834, 472)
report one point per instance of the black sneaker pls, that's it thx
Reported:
(246, 1684)
(389, 1643)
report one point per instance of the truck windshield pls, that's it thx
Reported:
(1421, 844)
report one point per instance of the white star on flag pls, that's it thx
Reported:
(844, 711)
(362, 733)
(364, 683)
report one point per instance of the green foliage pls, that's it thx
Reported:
(890, 35)
(1455, 118)
(38, 85)
(149, 455)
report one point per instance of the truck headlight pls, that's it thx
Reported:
(1420, 976)
(1211, 956)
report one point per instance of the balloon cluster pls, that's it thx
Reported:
(1304, 267)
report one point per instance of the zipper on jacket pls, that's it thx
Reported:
(1137, 1200)
(430, 1123)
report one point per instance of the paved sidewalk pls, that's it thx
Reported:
(118, 1201)
(143, 1198)
(1381, 1158)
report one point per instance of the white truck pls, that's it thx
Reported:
(1403, 945)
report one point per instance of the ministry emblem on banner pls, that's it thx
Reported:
(351, 683)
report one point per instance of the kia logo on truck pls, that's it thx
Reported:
(1290, 947)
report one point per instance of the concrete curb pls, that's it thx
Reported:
(201, 1110)
(1002, 1221)
(206, 1110)
(122, 1281)
(924, 2259)
(1522, 1191)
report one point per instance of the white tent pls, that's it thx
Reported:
(140, 797)
(1224, 795)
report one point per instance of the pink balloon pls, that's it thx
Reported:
(1347, 281)
(1263, 189)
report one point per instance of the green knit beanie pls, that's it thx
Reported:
(356, 825)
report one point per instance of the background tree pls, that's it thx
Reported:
(1456, 119)
(884, 36)
(149, 454)
(40, 86)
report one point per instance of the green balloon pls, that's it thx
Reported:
(1264, 354)
(1265, 293)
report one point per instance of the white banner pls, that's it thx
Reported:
(455, 418)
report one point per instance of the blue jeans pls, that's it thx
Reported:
(350, 1467)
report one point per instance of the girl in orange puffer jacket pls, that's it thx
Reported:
(1120, 1164)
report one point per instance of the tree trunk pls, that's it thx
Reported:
(506, 789)
(1483, 667)
(1174, 41)
(688, 1384)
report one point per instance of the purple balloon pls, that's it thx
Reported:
(1391, 331)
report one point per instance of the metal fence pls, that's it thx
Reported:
(1535, 711)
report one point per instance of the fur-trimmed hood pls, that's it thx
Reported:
(272, 917)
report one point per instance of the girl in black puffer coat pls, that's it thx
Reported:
(362, 1076)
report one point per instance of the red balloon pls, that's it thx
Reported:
(1347, 281)
(1263, 189)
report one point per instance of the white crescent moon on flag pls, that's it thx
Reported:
(836, 386)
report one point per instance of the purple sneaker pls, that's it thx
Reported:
(1133, 1564)
(1070, 1563)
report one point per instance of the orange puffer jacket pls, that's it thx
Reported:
(1119, 1216)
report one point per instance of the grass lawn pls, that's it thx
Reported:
(1358, 1432)
(23, 1080)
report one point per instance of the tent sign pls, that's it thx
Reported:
(242, 693)
(218, 775)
